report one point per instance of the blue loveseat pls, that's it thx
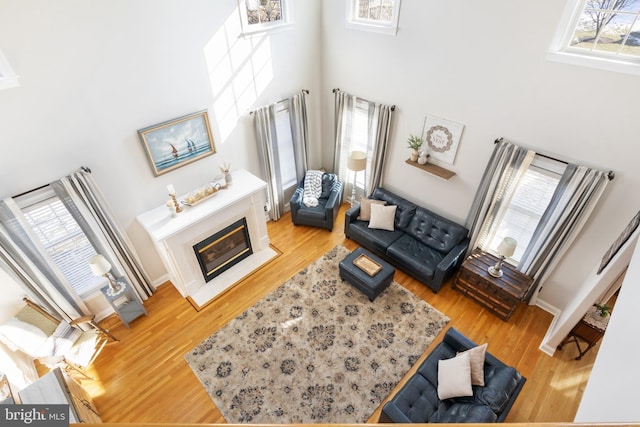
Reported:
(418, 402)
(422, 244)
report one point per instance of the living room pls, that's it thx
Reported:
(92, 74)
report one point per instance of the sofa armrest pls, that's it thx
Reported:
(391, 413)
(296, 198)
(453, 259)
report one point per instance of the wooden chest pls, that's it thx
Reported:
(500, 295)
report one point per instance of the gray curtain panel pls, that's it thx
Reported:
(382, 116)
(264, 119)
(300, 133)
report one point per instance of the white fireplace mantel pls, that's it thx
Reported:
(174, 238)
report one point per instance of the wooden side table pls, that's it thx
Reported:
(500, 295)
(589, 329)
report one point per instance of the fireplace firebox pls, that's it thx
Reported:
(224, 249)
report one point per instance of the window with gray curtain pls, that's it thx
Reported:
(361, 125)
(283, 143)
(498, 209)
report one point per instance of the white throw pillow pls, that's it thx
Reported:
(365, 208)
(454, 377)
(382, 217)
(476, 357)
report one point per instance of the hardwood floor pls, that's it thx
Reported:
(144, 378)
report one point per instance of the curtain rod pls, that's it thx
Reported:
(393, 107)
(303, 90)
(83, 168)
(610, 174)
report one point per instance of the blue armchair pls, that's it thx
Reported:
(323, 215)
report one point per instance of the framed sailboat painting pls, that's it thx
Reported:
(175, 143)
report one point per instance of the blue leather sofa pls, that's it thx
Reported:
(423, 244)
(418, 402)
(323, 215)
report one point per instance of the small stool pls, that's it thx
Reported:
(370, 285)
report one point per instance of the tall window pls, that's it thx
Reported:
(63, 239)
(360, 137)
(286, 154)
(264, 15)
(373, 15)
(600, 33)
(525, 209)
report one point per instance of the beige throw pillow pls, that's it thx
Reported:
(365, 208)
(476, 357)
(382, 217)
(454, 377)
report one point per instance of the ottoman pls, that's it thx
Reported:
(370, 283)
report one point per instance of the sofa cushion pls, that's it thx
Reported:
(414, 256)
(317, 212)
(365, 208)
(499, 384)
(434, 231)
(405, 209)
(454, 377)
(418, 400)
(382, 217)
(371, 238)
(464, 412)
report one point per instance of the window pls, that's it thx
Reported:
(373, 15)
(526, 207)
(360, 136)
(286, 154)
(603, 34)
(7, 76)
(264, 15)
(62, 238)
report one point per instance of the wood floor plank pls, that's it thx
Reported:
(144, 378)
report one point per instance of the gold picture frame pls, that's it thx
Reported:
(178, 142)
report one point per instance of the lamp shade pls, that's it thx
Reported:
(357, 161)
(507, 247)
(99, 265)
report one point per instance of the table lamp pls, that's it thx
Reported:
(357, 162)
(506, 248)
(101, 267)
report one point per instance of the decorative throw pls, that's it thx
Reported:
(312, 188)
(315, 350)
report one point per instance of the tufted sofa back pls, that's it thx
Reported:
(434, 231)
(404, 211)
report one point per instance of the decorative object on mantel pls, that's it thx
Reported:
(177, 142)
(506, 248)
(414, 142)
(172, 208)
(201, 194)
(172, 194)
(225, 168)
(442, 137)
(101, 267)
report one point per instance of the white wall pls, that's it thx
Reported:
(483, 64)
(92, 73)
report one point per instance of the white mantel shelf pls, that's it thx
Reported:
(160, 226)
(174, 238)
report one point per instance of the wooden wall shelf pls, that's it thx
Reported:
(436, 170)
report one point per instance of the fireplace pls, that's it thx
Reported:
(224, 249)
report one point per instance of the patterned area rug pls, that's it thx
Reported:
(315, 350)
